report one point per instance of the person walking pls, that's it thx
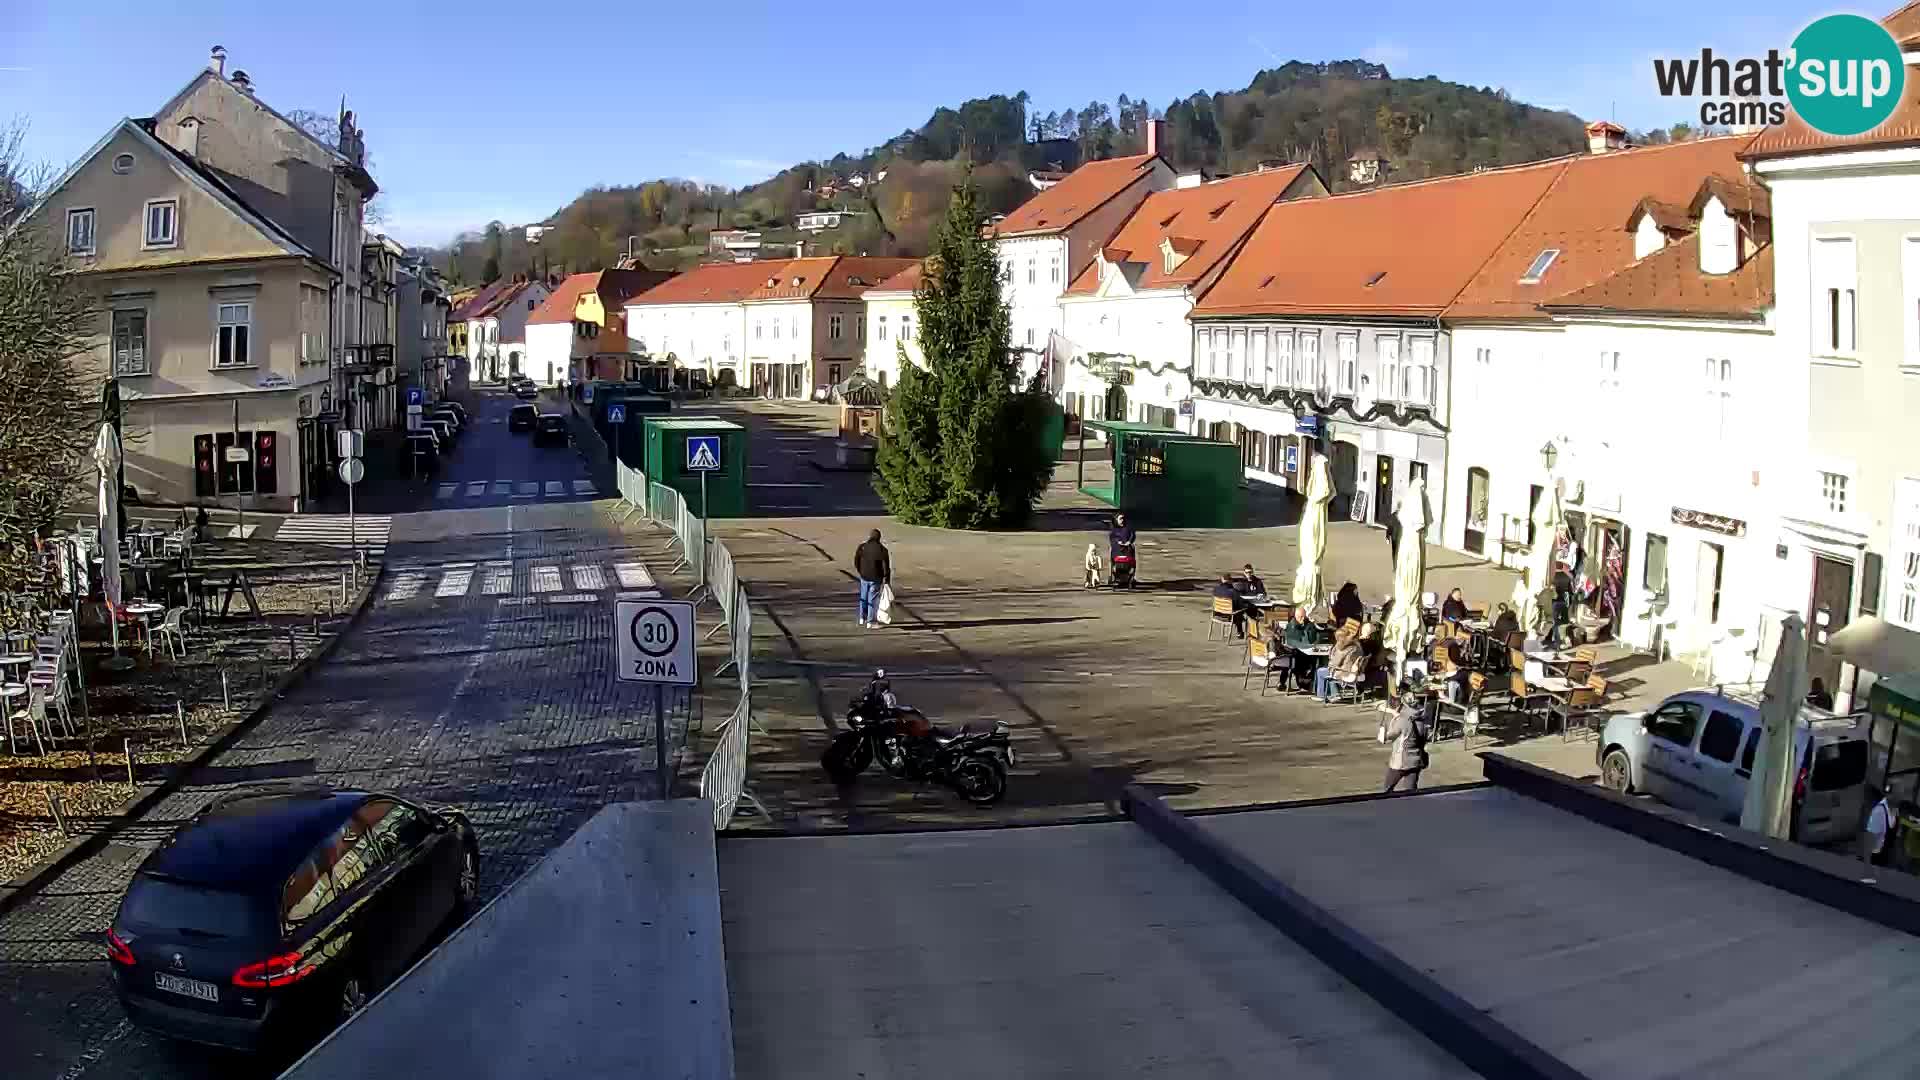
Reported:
(874, 567)
(1406, 734)
(1876, 833)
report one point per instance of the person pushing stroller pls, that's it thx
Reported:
(1120, 553)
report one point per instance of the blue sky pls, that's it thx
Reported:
(490, 110)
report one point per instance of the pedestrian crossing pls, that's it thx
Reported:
(451, 490)
(369, 531)
(556, 581)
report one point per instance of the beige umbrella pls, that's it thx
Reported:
(1770, 788)
(1407, 625)
(106, 456)
(1313, 534)
(1532, 603)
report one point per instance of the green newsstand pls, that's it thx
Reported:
(1166, 477)
(666, 462)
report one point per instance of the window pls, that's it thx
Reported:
(1483, 357)
(130, 342)
(80, 232)
(1833, 492)
(1910, 277)
(1538, 268)
(1609, 374)
(1719, 382)
(231, 345)
(1834, 282)
(1479, 500)
(1745, 767)
(1029, 336)
(860, 327)
(1276, 453)
(833, 327)
(1721, 739)
(1417, 473)
(1674, 722)
(162, 223)
(123, 163)
(880, 329)
(776, 329)
(1347, 374)
(313, 325)
(1419, 374)
(1237, 347)
(1030, 270)
(1257, 372)
(758, 329)
(1283, 358)
(1308, 365)
(307, 891)
(1872, 570)
(1388, 345)
(906, 328)
(1053, 270)
(1905, 594)
(1653, 570)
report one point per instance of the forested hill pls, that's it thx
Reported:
(1321, 113)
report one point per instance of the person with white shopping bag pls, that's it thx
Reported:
(874, 567)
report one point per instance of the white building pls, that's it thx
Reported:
(819, 220)
(507, 325)
(1126, 351)
(697, 318)
(1846, 220)
(1046, 243)
(889, 327)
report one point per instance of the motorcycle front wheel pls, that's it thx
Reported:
(980, 779)
(846, 758)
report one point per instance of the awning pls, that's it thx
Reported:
(1878, 646)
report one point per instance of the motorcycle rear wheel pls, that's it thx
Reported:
(980, 779)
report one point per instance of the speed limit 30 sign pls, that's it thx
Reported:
(653, 641)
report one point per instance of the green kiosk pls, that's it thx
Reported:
(1166, 477)
(687, 452)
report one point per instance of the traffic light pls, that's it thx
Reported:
(266, 466)
(204, 484)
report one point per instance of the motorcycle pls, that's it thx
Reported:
(972, 761)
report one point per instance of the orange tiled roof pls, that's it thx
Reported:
(1900, 129)
(712, 283)
(852, 275)
(558, 308)
(1670, 282)
(1083, 191)
(480, 300)
(906, 280)
(828, 277)
(1581, 217)
(1403, 250)
(1667, 216)
(1203, 223)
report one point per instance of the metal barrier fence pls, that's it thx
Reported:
(724, 778)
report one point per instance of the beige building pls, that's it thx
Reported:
(213, 321)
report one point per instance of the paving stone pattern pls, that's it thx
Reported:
(504, 708)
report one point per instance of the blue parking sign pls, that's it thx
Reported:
(1293, 459)
(616, 414)
(703, 453)
(416, 395)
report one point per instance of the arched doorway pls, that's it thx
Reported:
(513, 363)
(1344, 467)
(1116, 402)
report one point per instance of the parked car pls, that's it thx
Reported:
(279, 912)
(1695, 751)
(521, 418)
(550, 430)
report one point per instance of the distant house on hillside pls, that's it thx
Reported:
(738, 244)
(1367, 166)
(1042, 179)
(818, 220)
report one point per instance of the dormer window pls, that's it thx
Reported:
(796, 282)
(1214, 214)
(1538, 268)
(771, 282)
(1376, 279)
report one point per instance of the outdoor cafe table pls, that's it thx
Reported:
(144, 610)
(190, 586)
(10, 694)
(15, 665)
(1553, 659)
(1479, 640)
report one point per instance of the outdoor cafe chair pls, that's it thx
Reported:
(1462, 714)
(1353, 690)
(1221, 617)
(1264, 660)
(1522, 697)
(175, 634)
(1582, 702)
(34, 715)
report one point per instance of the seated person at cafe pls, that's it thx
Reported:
(1504, 622)
(1348, 661)
(1226, 590)
(1250, 583)
(1301, 631)
(1454, 608)
(1347, 605)
(1458, 672)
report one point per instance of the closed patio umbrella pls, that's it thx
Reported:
(1407, 625)
(1536, 577)
(1313, 534)
(106, 455)
(1770, 789)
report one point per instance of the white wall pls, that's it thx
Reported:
(549, 352)
(882, 357)
(1033, 307)
(1152, 328)
(709, 336)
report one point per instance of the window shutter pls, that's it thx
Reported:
(1870, 571)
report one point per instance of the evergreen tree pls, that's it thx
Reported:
(962, 445)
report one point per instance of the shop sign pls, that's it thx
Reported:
(1713, 523)
(272, 380)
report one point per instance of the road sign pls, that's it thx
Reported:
(703, 453)
(352, 444)
(1293, 459)
(415, 410)
(1307, 425)
(616, 414)
(586, 393)
(352, 471)
(653, 641)
(236, 454)
(416, 396)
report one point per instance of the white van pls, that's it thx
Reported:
(1696, 750)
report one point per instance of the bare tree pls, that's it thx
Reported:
(48, 319)
(327, 129)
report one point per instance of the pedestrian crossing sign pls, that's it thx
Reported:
(616, 414)
(703, 453)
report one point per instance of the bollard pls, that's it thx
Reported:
(226, 697)
(126, 747)
(53, 808)
(180, 718)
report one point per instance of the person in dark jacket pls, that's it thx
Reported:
(1347, 605)
(875, 569)
(1227, 591)
(1454, 608)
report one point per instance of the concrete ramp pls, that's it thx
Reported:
(604, 961)
(1089, 952)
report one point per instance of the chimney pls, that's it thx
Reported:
(1604, 136)
(186, 136)
(245, 82)
(219, 61)
(1156, 136)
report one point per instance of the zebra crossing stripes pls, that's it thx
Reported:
(584, 487)
(588, 578)
(456, 581)
(502, 487)
(555, 487)
(632, 575)
(450, 490)
(498, 579)
(369, 531)
(546, 579)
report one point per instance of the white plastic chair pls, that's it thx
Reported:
(35, 714)
(173, 632)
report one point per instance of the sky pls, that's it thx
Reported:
(505, 111)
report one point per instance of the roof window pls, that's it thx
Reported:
(1267, 282)
(1376, 279)
(1214, 214)
(1170, 219)
(1538, 268)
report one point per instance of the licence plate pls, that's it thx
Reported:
(193, 988)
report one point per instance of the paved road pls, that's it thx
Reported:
(477, 678)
